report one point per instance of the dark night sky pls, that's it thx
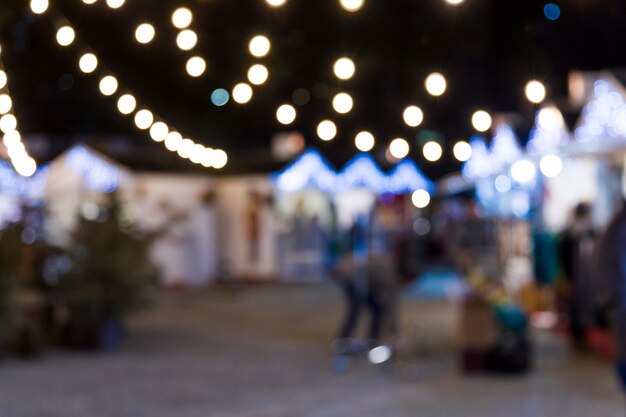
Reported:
(488, 50)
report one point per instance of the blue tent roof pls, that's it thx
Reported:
(406, 178)
(309, 171)
(362, 172)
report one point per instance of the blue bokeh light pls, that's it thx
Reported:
(552, 11)
(220, 97)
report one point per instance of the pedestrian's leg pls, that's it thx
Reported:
(377, 312)
(353, 307)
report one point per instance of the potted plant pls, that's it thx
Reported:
(109, 272)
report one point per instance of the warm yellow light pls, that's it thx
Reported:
(535, 91)
(343, 103)
(159, 131)
(399, 148)
(182, 18)
(65, 36)
(258, 74)
(275, 3)
(5, 103)
(126, 104)
(413, 116)
(432, 151)
(420, 199)
(115, 4)
(260, 46)
(196, 66)
(481, 120)
(352, 5)
(108, 85)
(286, 114)
(3, 79)
(8, 123)
(185, 149)
(436, 84)
(364, 141)
(39, 6)
(462, 151)
(88, 63)
(144, 119)
(454, 2)
(89, 1)
(242, 93)
(220, 159)
(145, 33)
(187, 40)
(173, 141)
(327, 130)
(344, 68)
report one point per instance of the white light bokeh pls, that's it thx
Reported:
(454, 2)
(275, 3)
(126, 104)
(503, 184)
(39, 6)
(327, 130)
(413, 116)
(352, 5)
(220, 159)
(144, 119)
(89, 1)
(523, 171)
(399, 148)
(185, 148)
(182, 18)
(481, 120)
(344, 68)
(159, 131)
(551, 165)
(364, 141)
(549, 118)
(436, 84)
(535, 91)
(462, 151)
(260, 46)
(108, 85)
(8, 123)
(343, 103)
(173, 141)
(88, 63)
(66, 36)
(145, 33)
(258, 74)
(196, 66)
(286, 114)
(115, 4)
(187, 40)
(242, 93)
(5, 103)
(420, 198)
(3, 79)
(432, 151)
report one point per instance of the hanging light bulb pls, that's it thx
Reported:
(88, 63)
(260, 46)
(196, 66)
(187, 40)
(352, 5)
(344, 68)
(145, 33)
(5, 103)
(115, 4)
(258, 74)
(126, 104)
(39, 6)
(182, 18)
(343, 103)
(364, 141)
(242, 93)
(286, 114)
(144, 119)
(65, 36)
(108, 85)
(413, 116)
(327, 130)
(399, 148)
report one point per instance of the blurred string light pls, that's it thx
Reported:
(604, 117)
(503, 184)
(65, 36)
(481, 120)
(352, 5)
(275, 3)
(454, 2)
(364, 141)
(535, 91)
(145, 33)
(420, 199)
(39, 6)
(108, 85)
(187, 40)
(551, 165)
(89, 1)
(479, 165)
(182, 18)
(326, 130)
(22, 162)
(462, 151)
(343, 103)
(258, 74)
(523, 171)
(115, 4)
(432, 151)
(505, 148)
(436, 84)
(242, 93)
(552, 11)
(549, 132)
(413, 116)
(219, 97)
(286, 114)
(196, 66)
(259, 46)
(127, 104)
(88, 63)
(399, 148)
(344, 68)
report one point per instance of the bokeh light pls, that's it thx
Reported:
(343, 103)
(108, 85)
(5, 103)
(173, 141)
(503, 184)
(432, 151)
(344, 68)
(8, 123)
(126, 104)
(219, 97)
(275, 3)
(159, 131)
(286, 114)
(258, 74)
(144, 119)
(535, 91)
(260, 46)
(352, 5)
(88, 63)
(39, 6)
(523, 171)
(420, 199)
(3, 79)
(413, 116)
(220, 159)
(462, 151)
(399, 148)
(187, 40)
(65, 36)
(182, 18)
(327, 130)
(481, 120)
(551, 165)
(436, 84)
(242, 93)
(196, 66)
(145, 33)
(364, 141)
(115, 4)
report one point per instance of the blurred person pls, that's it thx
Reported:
(612, 300)
(577, 258)
(475, 243)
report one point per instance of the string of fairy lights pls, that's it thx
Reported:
(12, 140)
(259, 47)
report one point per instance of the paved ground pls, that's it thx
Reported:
(264, 352)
